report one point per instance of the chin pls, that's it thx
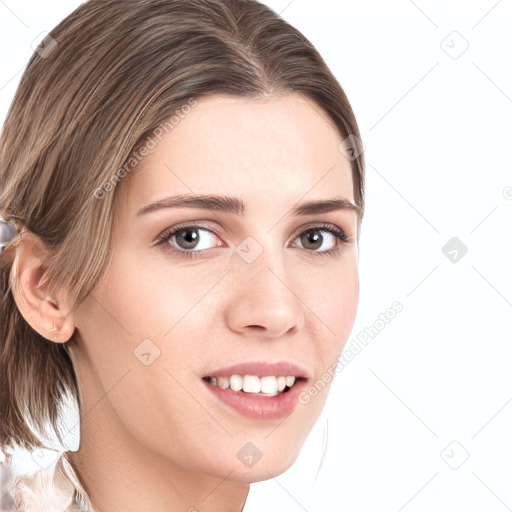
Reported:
(264, 469)
(258, 475)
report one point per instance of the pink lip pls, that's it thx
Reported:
(262, 368)
(259, 407)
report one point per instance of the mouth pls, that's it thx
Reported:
(259, 390)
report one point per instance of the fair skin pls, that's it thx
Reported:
(152, 438)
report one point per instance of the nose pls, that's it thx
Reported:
(264, 298)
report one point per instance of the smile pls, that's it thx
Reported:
(268, 385)
(259, 389)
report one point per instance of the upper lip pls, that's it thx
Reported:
(263, 368)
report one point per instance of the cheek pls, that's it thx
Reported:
(145, 298)
(335, 300)
(153, 293)
(344, 304)
(334, 307)
(146, 306)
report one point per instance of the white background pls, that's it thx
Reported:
(434, 386)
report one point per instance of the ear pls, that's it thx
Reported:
(52, 316)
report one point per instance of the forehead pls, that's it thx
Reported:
(284, 146)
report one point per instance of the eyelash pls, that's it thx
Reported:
(163, 239)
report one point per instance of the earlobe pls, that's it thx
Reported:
(49, 315)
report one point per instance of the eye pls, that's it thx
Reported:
(191, 244)
(312, 239)
(188, 240)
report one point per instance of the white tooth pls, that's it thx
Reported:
(223, 382)
(269, 394)
(268, 384)
(281, 382)
(251, 384)
(236, 382)
(290, 380)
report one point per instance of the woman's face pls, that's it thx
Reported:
(233, 289)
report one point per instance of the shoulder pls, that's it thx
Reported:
(53, 489)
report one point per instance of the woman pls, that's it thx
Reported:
(187, 181)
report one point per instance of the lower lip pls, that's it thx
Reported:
(259, 407)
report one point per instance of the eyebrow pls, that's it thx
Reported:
(230, 204)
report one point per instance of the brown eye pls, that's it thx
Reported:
(190, 237)
(187, 238)
(312, 239)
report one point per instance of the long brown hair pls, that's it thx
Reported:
(106, 78)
